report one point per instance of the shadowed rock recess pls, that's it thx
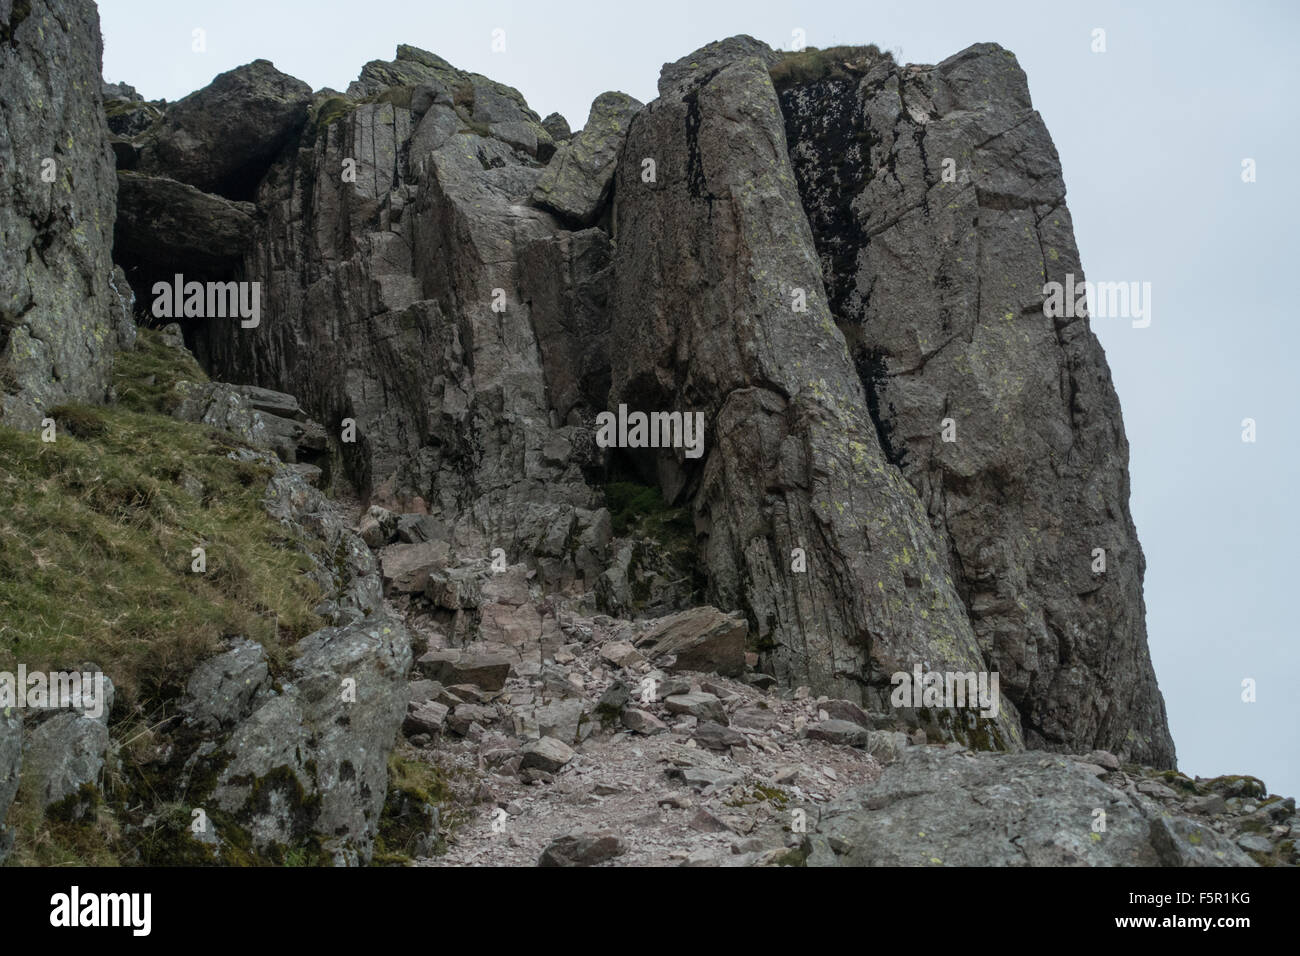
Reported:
(834, 260)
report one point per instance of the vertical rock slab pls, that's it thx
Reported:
(713, 256)
(937, 284)
(57, 198)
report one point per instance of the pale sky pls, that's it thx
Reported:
(1152, 134)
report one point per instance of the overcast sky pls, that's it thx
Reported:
(1152, 134)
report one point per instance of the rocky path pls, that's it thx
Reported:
(569, 737)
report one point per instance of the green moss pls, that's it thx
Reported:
(760, 794)
(75, 806)
(62, 839)
(169, 841)
(328, 112)
(965, 727)
(415, 788)
(399, 96)
(629, 502)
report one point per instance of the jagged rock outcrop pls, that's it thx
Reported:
(935, 808)
(558, 127)
(713, 257)
(310, 761)
(390, 262)
(245, 411)
(223, 138)
(57, 194)
(575, 184)
(937, 284)
(129, 115)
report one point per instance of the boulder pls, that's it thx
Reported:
(223, 138)
(838, 732)
(64, 754)
(312, 761)
(547, 754)
(577, 181)
(934, 807)
(408, 568)
(700, 639)
(699, 705)
(558, 127)
(453, 666)
(643, 722)
(427, 717)
(581, 849)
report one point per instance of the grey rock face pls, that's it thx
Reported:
(312, 761)
(933, 807)
(739, 255)
(64, 753)
(576, 183)
(937, 287)
(404, 287)
(222, 689)
(223, 137)
(352, 575)
(57, 307)
(569, 275)
(558, 127)
(779, 393)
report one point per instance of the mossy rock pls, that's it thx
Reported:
(1237, 785)
(329, 111)
(812, 65)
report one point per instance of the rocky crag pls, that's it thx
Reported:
(438, 271)
(60, 309)
(837, 262)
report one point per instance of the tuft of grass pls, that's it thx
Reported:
(834, 63)
(96, 536)
(145, 378)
